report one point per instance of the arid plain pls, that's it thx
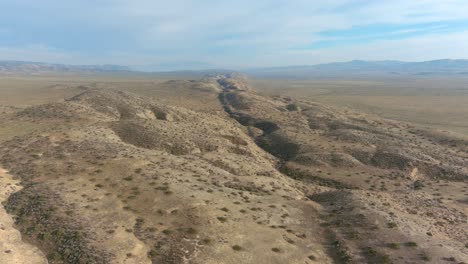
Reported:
(136, 168)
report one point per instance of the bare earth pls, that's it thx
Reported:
(211, 171)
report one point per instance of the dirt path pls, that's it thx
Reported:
(12, 249)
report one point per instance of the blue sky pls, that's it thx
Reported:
(176, 34)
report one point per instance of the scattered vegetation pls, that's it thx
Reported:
(237, 248)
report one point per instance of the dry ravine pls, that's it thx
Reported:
(229, 176)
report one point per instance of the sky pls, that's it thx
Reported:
(158, 35)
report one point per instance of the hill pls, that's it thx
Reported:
(213, 172)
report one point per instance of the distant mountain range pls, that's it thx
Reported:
(355, 69)
(365, 69)
(25, 67)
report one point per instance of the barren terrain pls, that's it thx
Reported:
(113, 170)
(437, 102)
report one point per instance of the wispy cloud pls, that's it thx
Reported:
(377, 32)
(225, 33)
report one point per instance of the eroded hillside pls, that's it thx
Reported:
(111, 177)
(391, 184)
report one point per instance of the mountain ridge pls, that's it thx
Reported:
(41, 67)
(353, 68)
(365, 68)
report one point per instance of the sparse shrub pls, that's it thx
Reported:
(393, 245)
(376, 257)
(191, 231)
(237, 248)
(152, 253)
(41, 236)
(354, 235)
(417, 185)
(167, 232)
(139, 221)
(301, 235)
(370, 251)
(206, 241)
(425, 257)
(411, 244)
(128, 178)
(277, 250)
(222, 219)
(162, 188)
